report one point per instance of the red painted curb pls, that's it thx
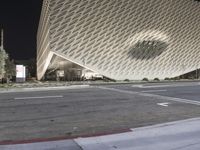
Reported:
(38, 140)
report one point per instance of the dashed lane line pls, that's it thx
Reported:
(153, 91)
(38, 97)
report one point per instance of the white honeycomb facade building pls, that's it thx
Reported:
(121, 39)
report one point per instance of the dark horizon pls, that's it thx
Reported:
(20, 20)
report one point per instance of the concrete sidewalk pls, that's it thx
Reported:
(55, 145)
(42, 88)
(179, 135)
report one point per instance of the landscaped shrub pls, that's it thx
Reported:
(175, 78)
(127, 80)
(156, 79)
(145, 79)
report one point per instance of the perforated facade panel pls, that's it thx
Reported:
(122, 39)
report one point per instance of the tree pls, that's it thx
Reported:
(10, 69)
(3, 57)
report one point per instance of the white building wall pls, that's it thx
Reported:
(122, 39)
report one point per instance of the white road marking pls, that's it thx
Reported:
(39, 97)
(159, 97)
(164, 85)
(153, 91)
(163, 104)
(157, 86)
(151, 86)
(139, 86)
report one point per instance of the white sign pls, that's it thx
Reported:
(20, 71)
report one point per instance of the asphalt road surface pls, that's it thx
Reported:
(95, 110)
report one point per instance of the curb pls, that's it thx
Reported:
(13, 90)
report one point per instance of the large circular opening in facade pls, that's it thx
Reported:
(147, 49)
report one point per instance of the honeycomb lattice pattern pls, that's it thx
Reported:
(126, 39)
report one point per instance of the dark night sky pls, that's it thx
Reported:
(19, 19)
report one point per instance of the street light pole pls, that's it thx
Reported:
(2, 39)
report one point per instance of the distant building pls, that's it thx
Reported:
(121, 39)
